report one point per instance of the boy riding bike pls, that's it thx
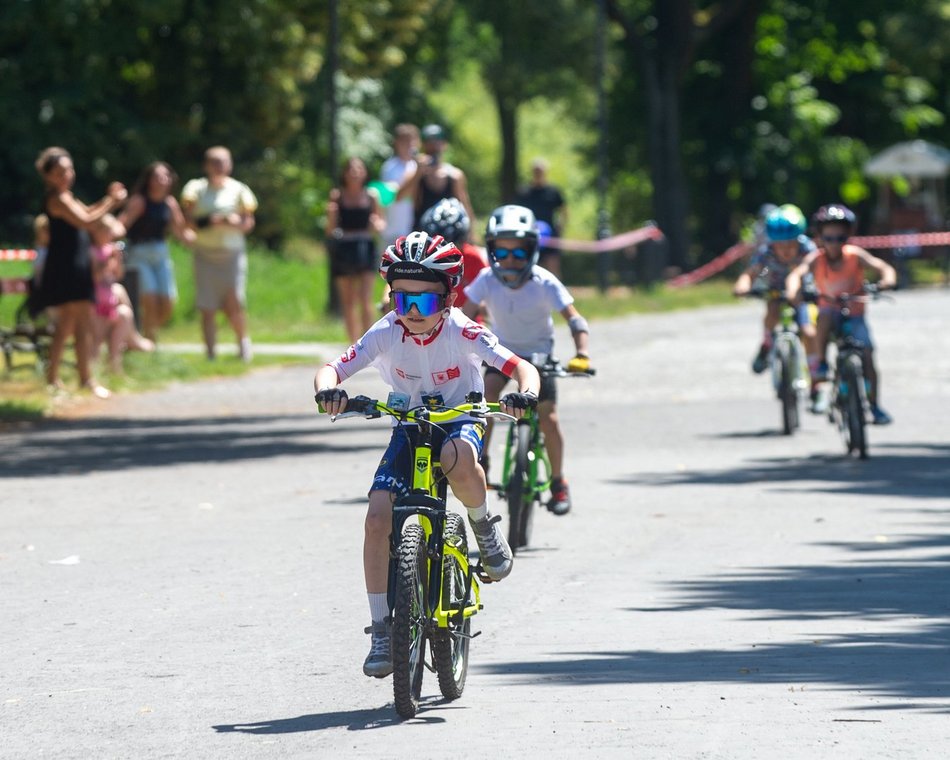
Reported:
(430, 354)
(786, 247)
(838, 268)
(519, 297)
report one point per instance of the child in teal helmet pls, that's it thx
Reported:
(785, 247)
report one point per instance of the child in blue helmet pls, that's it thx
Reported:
(519, 297)
(784, 250)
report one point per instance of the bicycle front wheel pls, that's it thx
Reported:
(854, 374)
(519, 503)
(410, 621)
(787, 393)
(450, 645)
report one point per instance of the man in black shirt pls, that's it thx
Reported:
(547, 203)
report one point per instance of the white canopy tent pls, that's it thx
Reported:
(924, 166)
(918, 158)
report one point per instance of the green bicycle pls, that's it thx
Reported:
(433, 589)
(526, 469)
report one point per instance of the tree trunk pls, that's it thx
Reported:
(508, 119)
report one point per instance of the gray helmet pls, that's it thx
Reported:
(447, 218)
(515, 222)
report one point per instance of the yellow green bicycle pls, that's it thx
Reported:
(433, 588)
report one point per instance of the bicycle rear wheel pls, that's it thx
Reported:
(787, 393)
(410, 621)
(450, 645)
(854, 375)
(519, 503)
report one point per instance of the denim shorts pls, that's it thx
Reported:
(853, 326)
(154, 265)
(394, 473)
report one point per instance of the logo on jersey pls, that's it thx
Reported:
(405, 375)
(441, 378)
(472, 330)
(350, 354)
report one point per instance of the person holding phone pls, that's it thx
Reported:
(434, 178)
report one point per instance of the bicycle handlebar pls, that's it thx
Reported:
(364, 406)
(554, 368)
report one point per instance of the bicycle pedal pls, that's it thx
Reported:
(481, 574)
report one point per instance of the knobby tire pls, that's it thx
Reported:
(856, 422)
(450, 650)
(410, 621)
(519, 503)
(787, 393)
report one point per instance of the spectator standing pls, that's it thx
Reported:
(353, 218)
(434, 178)
(547, 203)
(220, 210)
(67, 271)
(151, 213)
(399, 214)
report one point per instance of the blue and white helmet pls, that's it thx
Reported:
(516, 222)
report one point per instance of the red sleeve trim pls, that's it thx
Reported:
(508, 369)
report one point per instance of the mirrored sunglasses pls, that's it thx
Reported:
(426, 304)
(522, 254)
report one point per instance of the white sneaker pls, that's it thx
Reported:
(492, 546)
(379, 661)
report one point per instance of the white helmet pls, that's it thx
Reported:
(512, 222)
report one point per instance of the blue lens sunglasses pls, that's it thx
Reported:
(522, 254)
(426, 304)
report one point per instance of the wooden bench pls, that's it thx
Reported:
(27, 334)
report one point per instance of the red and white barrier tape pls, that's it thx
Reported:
(736, 252)
(715, 266)
(910, 240)
(17, 254)
(615, 243)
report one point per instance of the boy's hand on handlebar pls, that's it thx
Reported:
(580, 363)
(516, 404)
(331, 400)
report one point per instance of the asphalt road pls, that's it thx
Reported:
(180, 571)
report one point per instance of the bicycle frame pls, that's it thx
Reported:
(537, 457)
(427, 501)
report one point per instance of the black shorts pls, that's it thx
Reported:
(349, 257)
(548, 384)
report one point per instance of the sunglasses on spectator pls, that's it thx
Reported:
(521, 254)
(426, 304)
(835, 238)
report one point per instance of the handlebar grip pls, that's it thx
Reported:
(361, 404)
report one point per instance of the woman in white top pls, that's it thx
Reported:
(221, 211)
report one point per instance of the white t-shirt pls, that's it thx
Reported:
(447, 363)
(399, 214)
(232, 196)
(521, 318)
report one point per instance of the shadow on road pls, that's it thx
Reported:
(914, 470)
(352, 720)
(894, 611)
(105, 444)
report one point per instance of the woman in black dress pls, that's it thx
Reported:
(67, 275)
(353, 219)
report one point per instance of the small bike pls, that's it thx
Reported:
(849, 406)
(526, 469)
(787, 360)
(433, 589)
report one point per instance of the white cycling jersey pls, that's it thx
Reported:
(521, 318)
(446, 363)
